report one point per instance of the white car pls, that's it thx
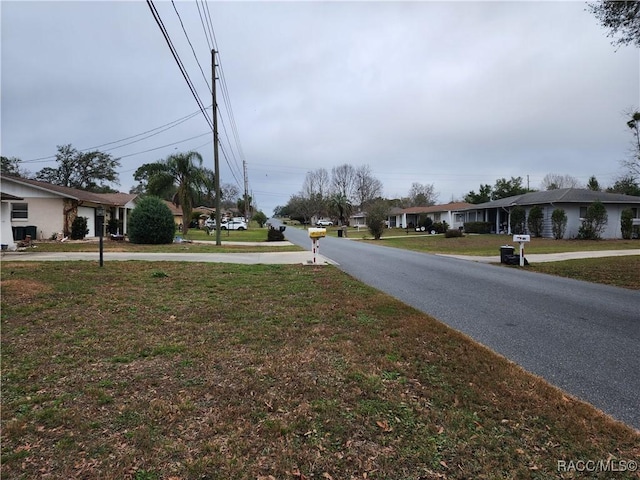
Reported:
(234, 225)
(324, 223)
(210, 223)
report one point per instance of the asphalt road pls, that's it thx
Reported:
(579, 336)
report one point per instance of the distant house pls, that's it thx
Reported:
(358, 219)
(574, 201)
(40, 209)
(411, 217)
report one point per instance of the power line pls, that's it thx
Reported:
(176, 57)
(167, 145)
(160, 129)
(191, 45)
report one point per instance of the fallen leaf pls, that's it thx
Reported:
(384, 426)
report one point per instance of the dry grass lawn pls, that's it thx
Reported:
(169, 371)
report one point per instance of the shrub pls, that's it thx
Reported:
(426, 223)
(626, 223)
(534, 222)
(274, 235)
(453, 233)
(558, 223)
(439, 227)
(377, 214)
(151, 222)
(477, 227)
(112, 226)
(260, 218)
(518, 217)
(594, 222)
(79, 228)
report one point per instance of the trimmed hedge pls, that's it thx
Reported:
(477, 227)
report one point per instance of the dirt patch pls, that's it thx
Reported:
(24, 288)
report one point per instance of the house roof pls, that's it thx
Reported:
(115, 199)
(174, 210)
(446, 207)
(8, 196)
(562, 195)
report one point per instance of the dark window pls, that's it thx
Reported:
(19, 211)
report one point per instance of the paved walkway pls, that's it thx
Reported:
(303, 257)
(550, 257)
(282, 258)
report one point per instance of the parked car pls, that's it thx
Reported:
(234, 225)
(324, 223)
(210, 223)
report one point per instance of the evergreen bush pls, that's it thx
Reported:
(274, 235)
(151, 222)
(477, 227)
(518, 219)
(594, 222)
(79, 228)
(626, 223)
(534, 222)
(558, 223)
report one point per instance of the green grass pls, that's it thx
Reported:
(265, 371)
(487, 245)
(616, 271)
(253, 235)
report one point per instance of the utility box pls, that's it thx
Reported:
(317, 232)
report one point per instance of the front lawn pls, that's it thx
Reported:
(486, 245)
(148, 370)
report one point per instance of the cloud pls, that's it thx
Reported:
(450, 93)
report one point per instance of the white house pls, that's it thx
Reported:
(42, 209)
(574, 201)
(410, 217)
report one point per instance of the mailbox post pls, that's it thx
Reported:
(316, 234)
(522, 239)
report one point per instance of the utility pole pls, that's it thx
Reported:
(216, 161)
(246, 192)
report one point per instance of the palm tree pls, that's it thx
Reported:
(183, 173)
(342, 206)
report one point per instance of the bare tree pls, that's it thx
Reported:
(367, 186)
(343, 180)
(422, 195)
(315, 190)
(555, 181)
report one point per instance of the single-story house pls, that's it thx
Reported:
(574, 201)
(42, 210)
(358, 219)
(6, 233)
(410, 217)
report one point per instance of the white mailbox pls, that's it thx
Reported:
(522, 239)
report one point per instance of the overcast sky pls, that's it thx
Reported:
(453, 94)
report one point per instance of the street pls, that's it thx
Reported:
(579, 336)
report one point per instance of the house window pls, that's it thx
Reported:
(635, 212)
(436, 217)
(19, 211)
(583, 212)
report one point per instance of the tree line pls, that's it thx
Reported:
(179, 178)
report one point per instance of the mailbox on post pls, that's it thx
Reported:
(316, 234)
(522, 239)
